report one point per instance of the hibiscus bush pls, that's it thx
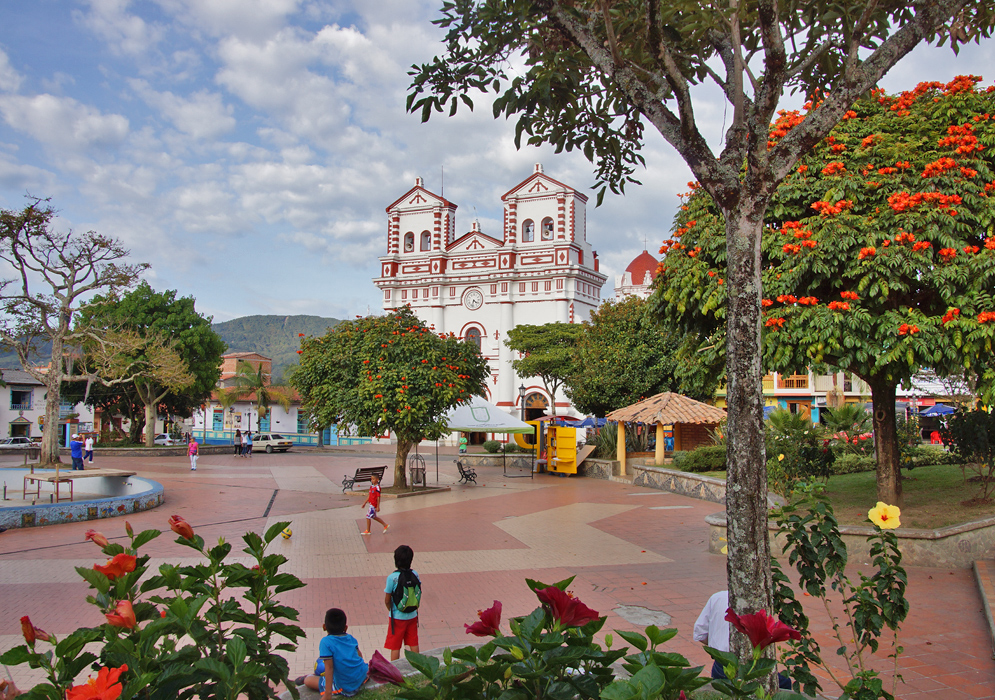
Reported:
(873, 606)
(551, 655)
(177, 633)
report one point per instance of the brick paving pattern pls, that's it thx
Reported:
(626, 545)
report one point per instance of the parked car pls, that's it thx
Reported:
(271, 442)
(14, 442)
(166, 439)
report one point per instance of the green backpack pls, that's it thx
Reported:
(406, 595)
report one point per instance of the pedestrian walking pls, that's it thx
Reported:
(76, 450)
(373, 503)
(192, 450)
(238, 442)
(88, 448)
(247, 451)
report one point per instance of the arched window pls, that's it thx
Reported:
(547, 229)
(426, 240)
(528, 231)
(473, 336)
(409, 242)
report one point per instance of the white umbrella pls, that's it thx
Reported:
(480, 416)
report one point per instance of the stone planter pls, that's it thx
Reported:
(956, 546)
(599, 468)
(516, 460)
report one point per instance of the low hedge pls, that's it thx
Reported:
(711, 458)
(491, 446)
(853, 463)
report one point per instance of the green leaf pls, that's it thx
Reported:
(634, 638)
(426, 665)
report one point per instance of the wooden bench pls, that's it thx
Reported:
(363, 474)
(466, 474)
(65, 477)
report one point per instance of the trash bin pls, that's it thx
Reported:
(417, 474)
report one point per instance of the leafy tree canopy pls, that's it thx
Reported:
(547, 351)
(881, 254)
(388, 374)
(624, 355)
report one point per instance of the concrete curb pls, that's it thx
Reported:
(984, 571)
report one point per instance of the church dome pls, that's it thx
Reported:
(644, 264)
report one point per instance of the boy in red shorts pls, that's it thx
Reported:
(372, 504)
(402, 596)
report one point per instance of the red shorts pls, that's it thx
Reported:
(403, 632)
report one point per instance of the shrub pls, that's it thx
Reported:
(710, 458)
(971, 435)
(491, 446)
(927, 455)
(605, 441)
(511, 448)
(853, 464)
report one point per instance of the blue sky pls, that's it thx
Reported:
(247, 148)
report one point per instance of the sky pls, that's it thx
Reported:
(247, 149)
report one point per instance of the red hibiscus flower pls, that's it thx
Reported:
(487, 625)
(383, 671)
(566, 610)
(32, 633)
(105, 686)
(762, 629)
(118, 566)
(181, 527)
(123, 615)
(97, 538)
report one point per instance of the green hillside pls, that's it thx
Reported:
(273, 336)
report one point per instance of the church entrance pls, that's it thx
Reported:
(536, 406)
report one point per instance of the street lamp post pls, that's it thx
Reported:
(521, 399)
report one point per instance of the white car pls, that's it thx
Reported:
(14, 442)
(166, 439)
(271, 442)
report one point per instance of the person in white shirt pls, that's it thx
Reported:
(712, 629)
(88, 448)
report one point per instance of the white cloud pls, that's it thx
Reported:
(125, 33)
(10, 79)
(253, 19)
(203, 115)
(63, 122)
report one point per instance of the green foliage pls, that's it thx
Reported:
(909, 438)
(275, 337)
(388, 374)
(491, 446)
(193, 637)
(623, 356)
(796, 450)
(512, 448)
(253, 382)
(971, 435)
(848, 426)
(605, 441)
(851, 463)
(709, 458)
(547, 351)
(873, 606)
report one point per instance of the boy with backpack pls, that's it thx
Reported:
(402, 596)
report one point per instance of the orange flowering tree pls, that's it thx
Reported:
(879, 257)
(388, 374)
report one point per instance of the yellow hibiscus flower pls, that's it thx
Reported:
(884, 516)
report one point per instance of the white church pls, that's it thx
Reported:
(538, 269)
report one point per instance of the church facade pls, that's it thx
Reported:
(478, 285)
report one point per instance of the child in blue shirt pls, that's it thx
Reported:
(344, 669)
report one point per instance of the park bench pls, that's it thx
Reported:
(466, 474)
(362, 474)
(65, 477)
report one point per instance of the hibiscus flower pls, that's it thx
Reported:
(762, 629)
(487, 625)
(566, 610)
(118, 566)
(105, 686)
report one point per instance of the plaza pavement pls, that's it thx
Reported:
(627, 546)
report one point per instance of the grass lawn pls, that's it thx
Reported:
(933, 497)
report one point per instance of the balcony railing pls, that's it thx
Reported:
(20, 406)
(797, 381)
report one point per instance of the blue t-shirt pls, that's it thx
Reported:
(248, 438)
(348, 668)
(389, 588)
(76, 449)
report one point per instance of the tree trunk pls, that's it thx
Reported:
(150, 424)
(748, 564)
(400, 462)
(49, 453)
(889, 475)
